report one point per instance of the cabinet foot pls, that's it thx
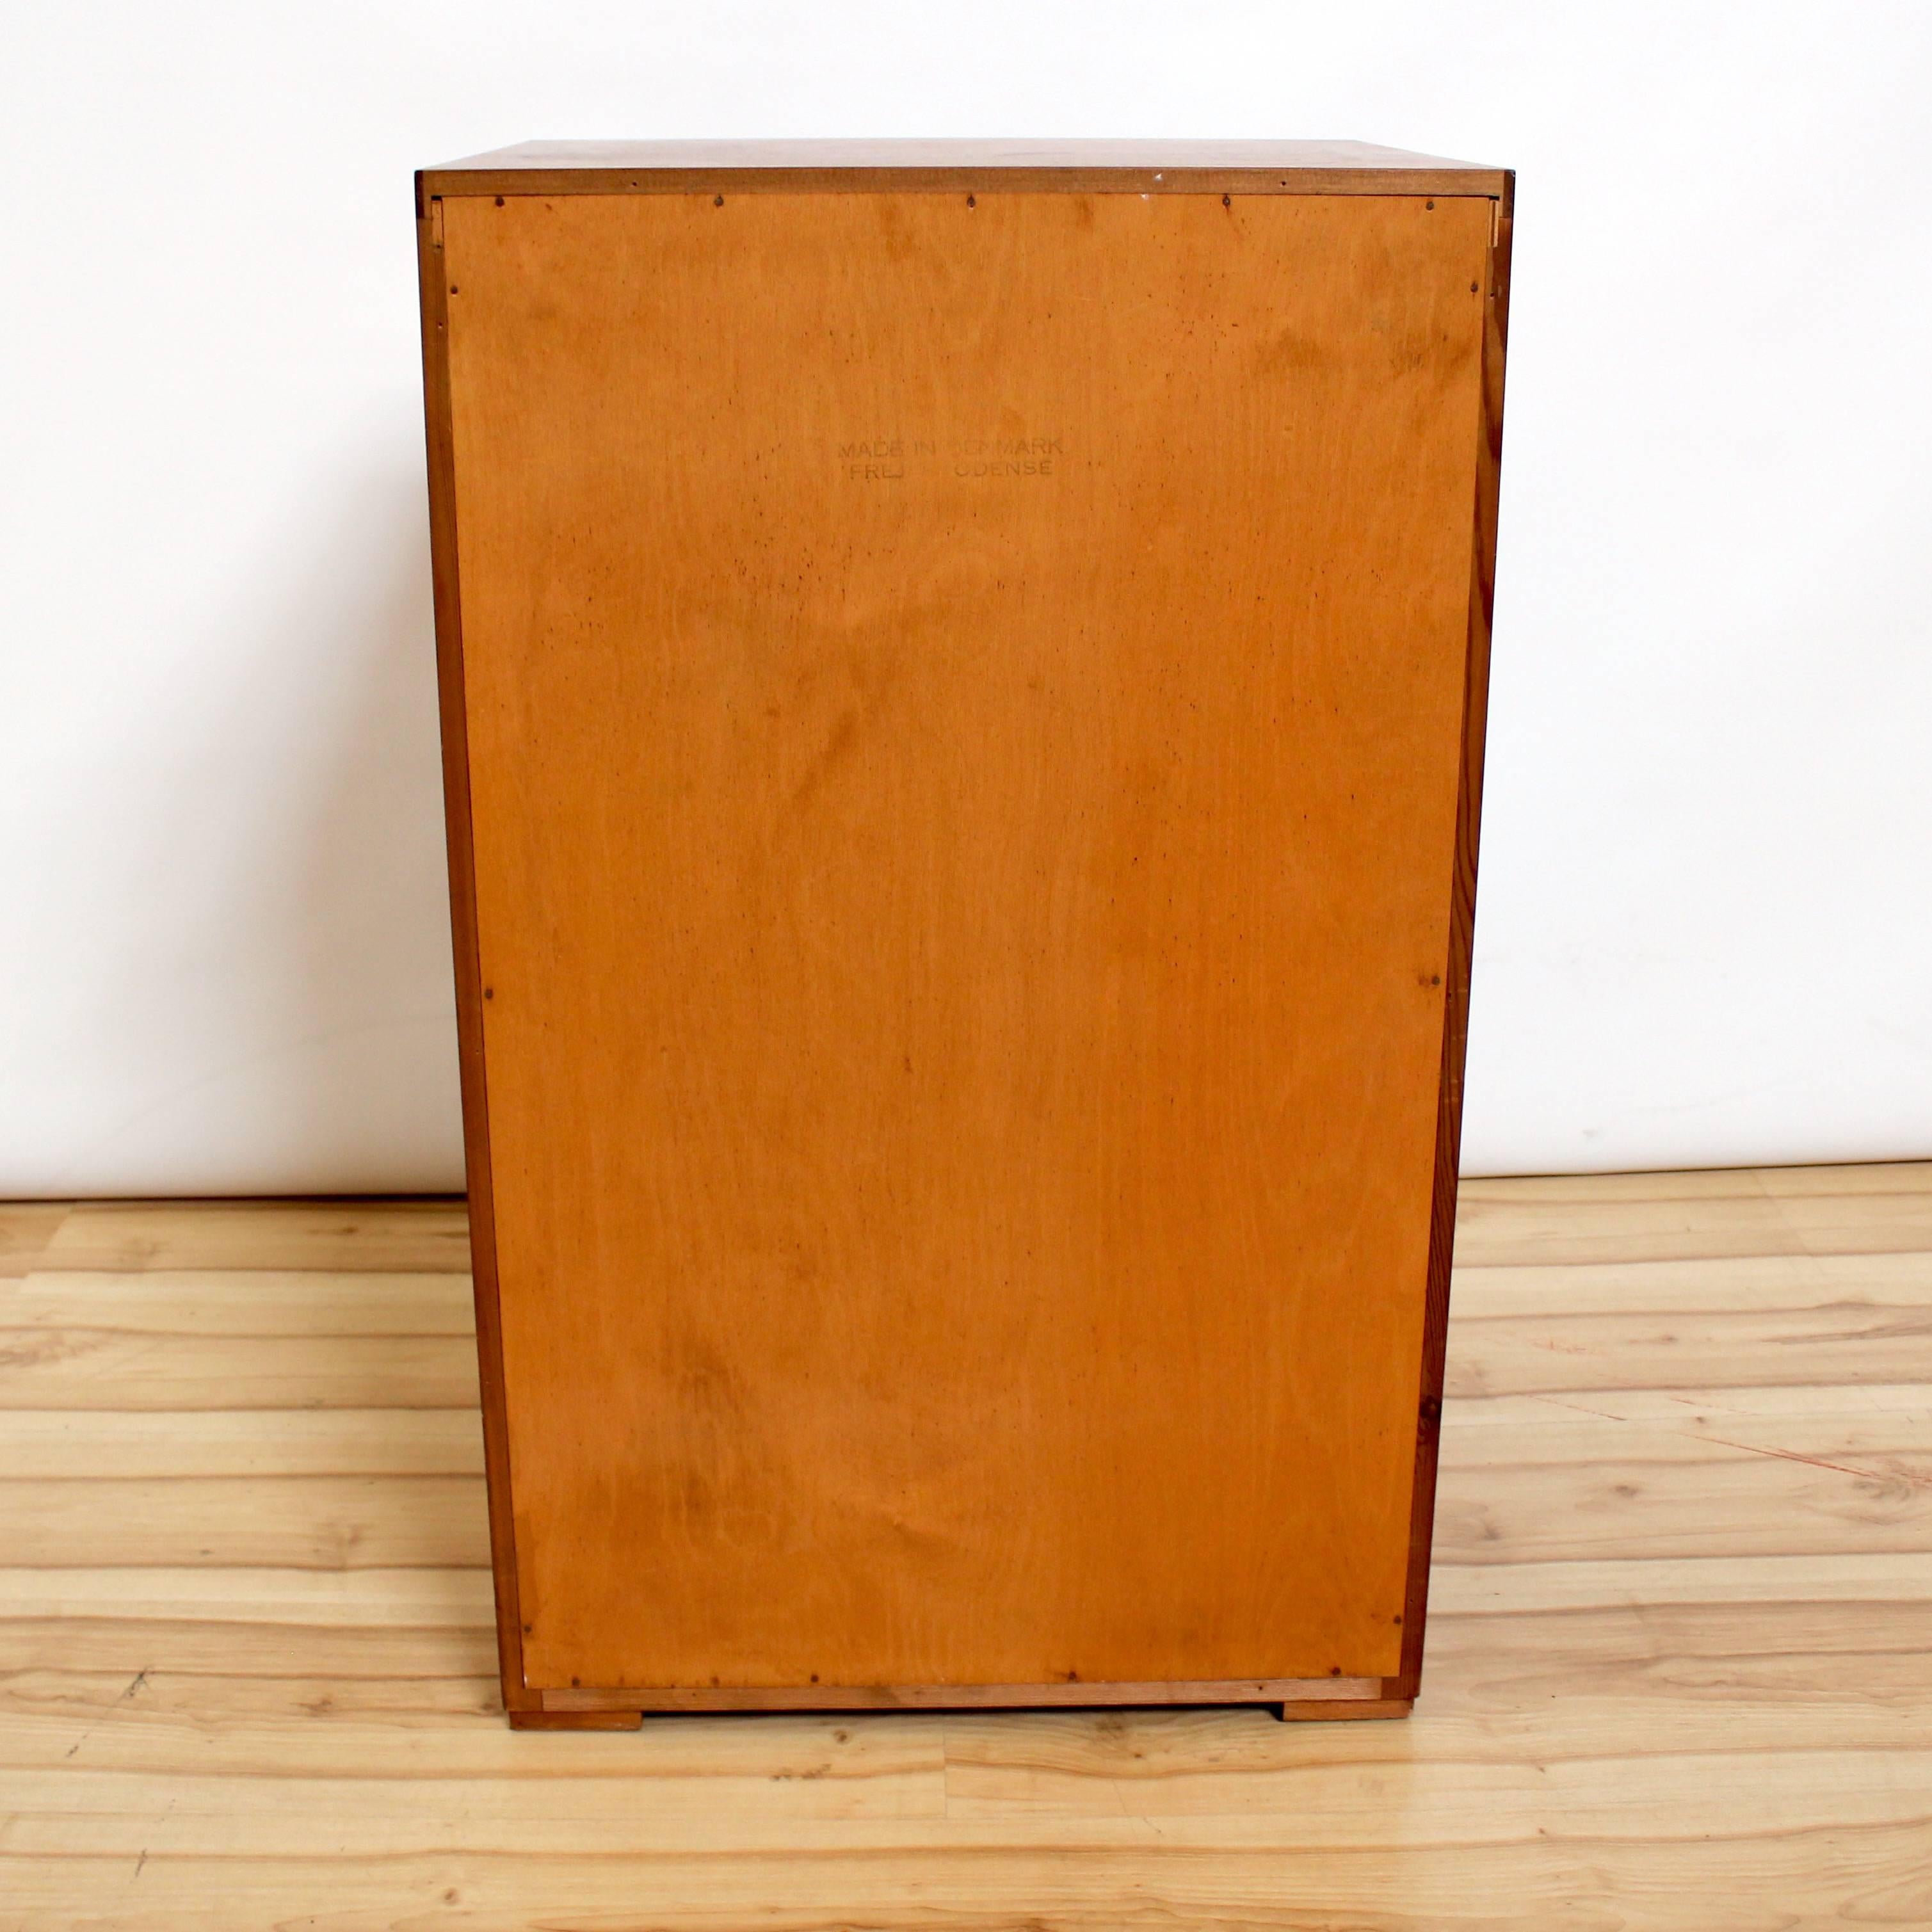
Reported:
(1322, 1710)
(577, 1721)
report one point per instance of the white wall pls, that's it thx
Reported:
(1706, 920)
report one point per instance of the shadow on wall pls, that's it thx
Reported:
(301, 995)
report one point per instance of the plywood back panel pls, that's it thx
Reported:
(963, 710)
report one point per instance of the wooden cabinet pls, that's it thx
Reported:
(963, 674)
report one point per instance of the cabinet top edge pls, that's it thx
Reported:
(1143, 166)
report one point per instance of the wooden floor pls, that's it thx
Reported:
(1680, 1669)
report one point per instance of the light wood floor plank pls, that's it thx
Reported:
(1578, 1224)
(1856, 1343)
(1125, 1879)
(151, 1443)
(349, 1599)
(384, 1236)
(296, 1522)
(1876, 1178)
(1864, 1223)
(242, 1303)
(1770, 1505)
(81, 1370)
(218, 1646)
(1480, 1589)
(1526, 1195)
(26, 1227)
(1882, 1418)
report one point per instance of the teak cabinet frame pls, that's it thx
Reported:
(962, 169)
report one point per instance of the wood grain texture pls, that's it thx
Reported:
(89, 1339)
(433, 287)
(26, 1227)
(1850, 1210)
(955, 166)
(1488, 477)
(963, 927)
(1310, 1697)
(380, 1236)
(1652, 1711)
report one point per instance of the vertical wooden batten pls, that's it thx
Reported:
(1462, 943)
(431, 283)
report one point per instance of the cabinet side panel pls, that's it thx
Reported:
(1462, 944)
(965, 700)
(432, 279)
